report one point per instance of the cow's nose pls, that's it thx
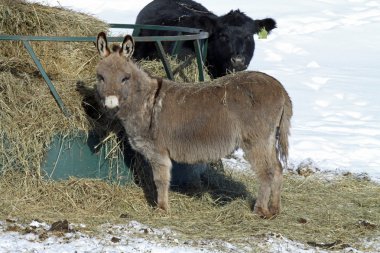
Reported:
(238, 62)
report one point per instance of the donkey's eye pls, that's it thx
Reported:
(126, 78)
(100, 78)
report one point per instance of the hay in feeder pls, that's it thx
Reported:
(29, 114)
(63, 60)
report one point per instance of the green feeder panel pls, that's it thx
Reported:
(77, 156)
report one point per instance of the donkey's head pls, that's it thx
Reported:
(114, 70)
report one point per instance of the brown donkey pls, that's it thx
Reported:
(194, 123)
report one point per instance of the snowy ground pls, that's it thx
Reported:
(39, 237)
(326, 54)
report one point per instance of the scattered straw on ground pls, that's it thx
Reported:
(342, 211)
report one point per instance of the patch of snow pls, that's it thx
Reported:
(128, 238)
(313, 64)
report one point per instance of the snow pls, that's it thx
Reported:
(131, 237)
(136, 237)
(327, 55)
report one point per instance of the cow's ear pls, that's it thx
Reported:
(101, 45)
(207, 23)
(127, 47)
(268, 23)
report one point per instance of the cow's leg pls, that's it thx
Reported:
(161, 166)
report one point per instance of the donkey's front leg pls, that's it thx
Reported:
(161, 166)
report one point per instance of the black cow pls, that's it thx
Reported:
(231, 43)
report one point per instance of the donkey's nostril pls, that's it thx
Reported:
(111, 102)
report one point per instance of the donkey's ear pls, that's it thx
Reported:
(128, 46)
(101, 45)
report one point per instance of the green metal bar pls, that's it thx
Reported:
(202, 35)
(198, 54)
(204, 49)
(177, 47)
(161, 53)
(136, 32)
(47, 38)
(46, 78)
(157, 28)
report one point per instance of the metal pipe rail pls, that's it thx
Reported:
(198, 37)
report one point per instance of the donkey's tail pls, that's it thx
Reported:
(283, 131)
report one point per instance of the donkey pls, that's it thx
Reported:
(193, 123)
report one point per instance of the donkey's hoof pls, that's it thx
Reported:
(274, 211)
(263, 212)
(163, 207)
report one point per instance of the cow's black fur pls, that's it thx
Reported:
(231, 42)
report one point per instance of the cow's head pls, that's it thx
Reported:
(231, 42)
(113, 70)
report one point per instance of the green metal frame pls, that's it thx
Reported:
(198, 37)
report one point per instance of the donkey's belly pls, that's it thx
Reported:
(202, 151)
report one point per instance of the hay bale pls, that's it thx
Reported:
(29, 114)
(61, 60)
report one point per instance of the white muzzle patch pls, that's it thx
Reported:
(111, 102)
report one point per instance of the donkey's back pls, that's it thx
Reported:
(207, 121)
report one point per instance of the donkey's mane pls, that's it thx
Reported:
(115, 48)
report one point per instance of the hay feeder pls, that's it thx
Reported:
(83, 152)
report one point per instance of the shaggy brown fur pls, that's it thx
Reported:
(199, 122)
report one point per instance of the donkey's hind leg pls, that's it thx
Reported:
(275, 202)
(257, 159)
(260, 157)
(161, 166)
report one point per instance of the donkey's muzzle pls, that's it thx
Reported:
(111, 102)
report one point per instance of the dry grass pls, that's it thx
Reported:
(315, 210)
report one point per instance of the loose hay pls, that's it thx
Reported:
(314, 210)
